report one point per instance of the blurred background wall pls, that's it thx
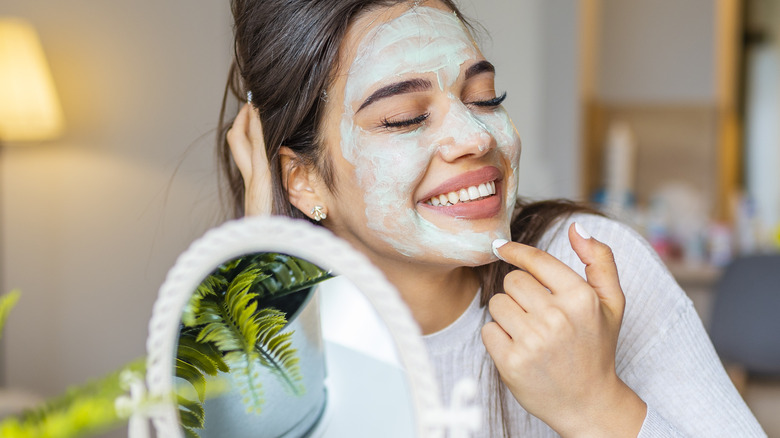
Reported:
(92, 221)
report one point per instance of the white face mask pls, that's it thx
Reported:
(388, 168)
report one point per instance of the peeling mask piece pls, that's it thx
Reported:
(389, 167)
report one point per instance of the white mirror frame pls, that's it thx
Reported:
(316, 245)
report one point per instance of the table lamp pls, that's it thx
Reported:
(29, 108)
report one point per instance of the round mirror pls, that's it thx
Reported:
(274, 327)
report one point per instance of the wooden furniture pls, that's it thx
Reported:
(670, 70)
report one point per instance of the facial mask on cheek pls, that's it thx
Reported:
(500, 126)
(389, 167)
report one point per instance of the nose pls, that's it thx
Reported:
(463, 134)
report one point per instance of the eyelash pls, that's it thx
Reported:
(404, 123)
(496, 101)
(492, 103)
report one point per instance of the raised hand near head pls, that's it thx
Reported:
(246, 142)
(554, 336)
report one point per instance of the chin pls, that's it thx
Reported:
(440, 240)
(484, 259)
(468, 257)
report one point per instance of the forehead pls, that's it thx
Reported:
(414, 28)
(400, 40)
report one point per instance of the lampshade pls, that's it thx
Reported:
(29, 108)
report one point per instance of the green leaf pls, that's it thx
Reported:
(211, 286)
(245, 374)
(192, 375)
(191, 413)
(287, 274)
(7, 302)
(276, 352)
(202, 355)
(189, 433)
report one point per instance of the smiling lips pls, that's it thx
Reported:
(471, 195)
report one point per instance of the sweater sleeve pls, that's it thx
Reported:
(664, 353)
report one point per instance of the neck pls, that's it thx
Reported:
(436, 297)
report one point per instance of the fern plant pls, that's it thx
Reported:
(239, 312)
(232, 326)
(85, 410)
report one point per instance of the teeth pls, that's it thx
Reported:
(464, 195)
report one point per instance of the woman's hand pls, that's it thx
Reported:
(554, 338)
(246, 142)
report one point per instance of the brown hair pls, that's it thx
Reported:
(285, 54)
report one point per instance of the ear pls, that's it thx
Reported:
(302, 183)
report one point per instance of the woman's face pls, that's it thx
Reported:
(424, 154)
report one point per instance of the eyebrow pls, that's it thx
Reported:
(480, 67)
(395, 89)
(414, 85)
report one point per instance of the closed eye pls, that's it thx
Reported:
(494, 102)
(404, 123)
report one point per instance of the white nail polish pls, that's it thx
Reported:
(498, 243)
(581, 231)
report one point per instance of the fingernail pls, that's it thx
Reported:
(581, 231)
(498, 243)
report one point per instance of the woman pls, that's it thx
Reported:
(382, 123)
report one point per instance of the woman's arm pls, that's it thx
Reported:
(663, 351)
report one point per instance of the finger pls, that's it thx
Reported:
(496, 340)
(600, 269)
(526, 290)
(262, 199)
(508, 314)
(239, 143)
(259, 157)
(549, 271)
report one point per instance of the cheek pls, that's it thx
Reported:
(389, 169)
(501, 128)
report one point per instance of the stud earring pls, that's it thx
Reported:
(319, 213)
